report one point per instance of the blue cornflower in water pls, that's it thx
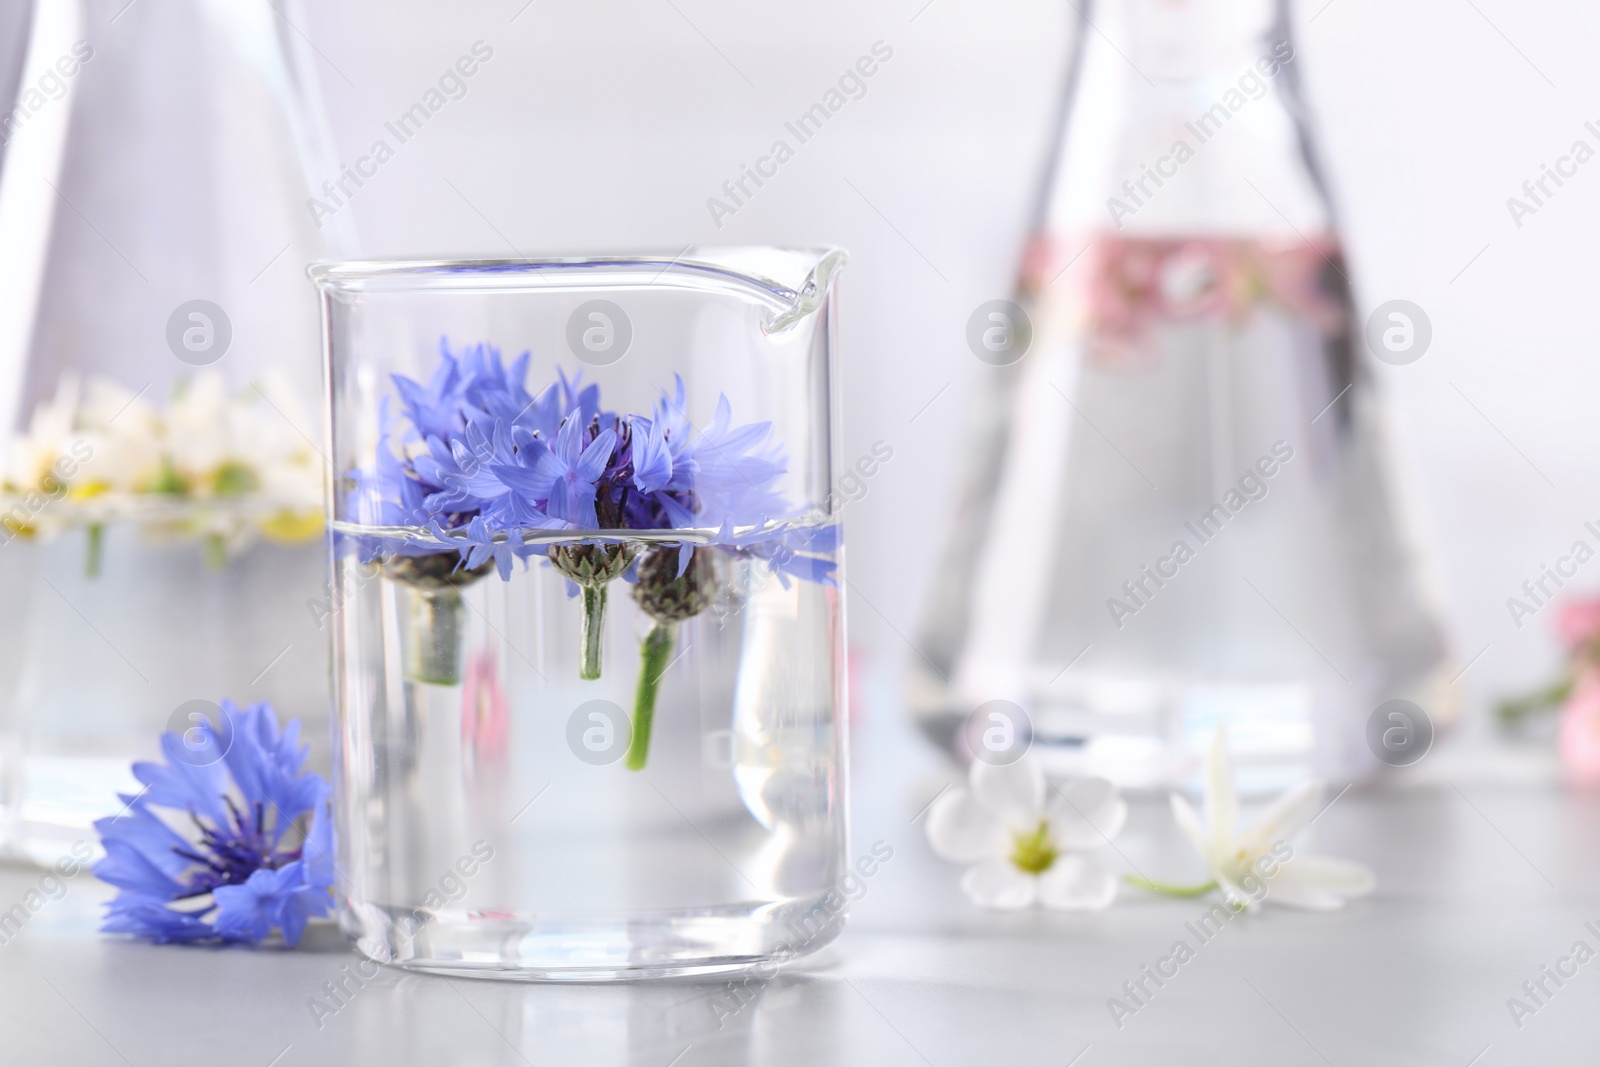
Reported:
(475, 462)
(227, 862)
(566, 475)
(483, 547)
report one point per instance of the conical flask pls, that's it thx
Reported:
(160, 513)
(1180, 512)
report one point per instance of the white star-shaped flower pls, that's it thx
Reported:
(1257, 865)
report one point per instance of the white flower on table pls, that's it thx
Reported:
(1255, 865)
(1025, 839)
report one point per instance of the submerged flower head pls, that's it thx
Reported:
(226, 861)
(1025, 839)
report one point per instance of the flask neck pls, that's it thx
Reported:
(1182, 118)
(1182, 40)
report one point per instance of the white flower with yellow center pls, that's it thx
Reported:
(123, 432)
(108, 453)
(1025, 839)
(33, 457)
(1257, 865)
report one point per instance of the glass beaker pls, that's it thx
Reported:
(588, 643)
(1180, 511)
(158, 368)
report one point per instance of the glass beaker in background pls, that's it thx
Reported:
(157, 164)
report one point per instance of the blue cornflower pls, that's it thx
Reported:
(480, 456)
(461, 466)
(650, 455)
(804, 552)
(722, 475)
(735, 470)
(483, 547)
(490, 387)
(388, 493)
(438, 409)
(565, 477)
(483, 460)
(232, 874)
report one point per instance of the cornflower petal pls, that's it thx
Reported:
(229, 877)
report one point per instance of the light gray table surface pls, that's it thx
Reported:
(1479, 886)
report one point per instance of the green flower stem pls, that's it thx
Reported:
(653, 663)
(1167, 888)
(216, 552)
(433, 637)
(97, 539)
(1518, 708)
(594, 630)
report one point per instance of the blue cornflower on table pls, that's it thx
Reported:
(211, 850)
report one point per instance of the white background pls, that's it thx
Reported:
(606, 126)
